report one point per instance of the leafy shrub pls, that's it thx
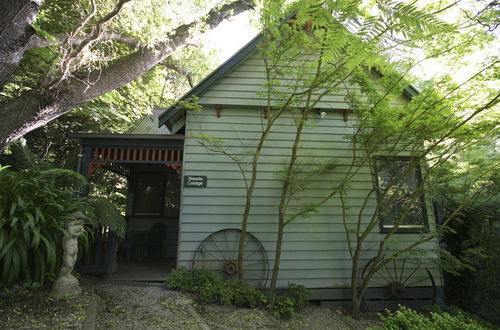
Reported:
(210, 288)
(474, 242)
(294, 297)
(472, 260)
(104, 213)
(33, 210)
(408, 319)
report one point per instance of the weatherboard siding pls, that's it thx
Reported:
(244, 85)
(315, 251)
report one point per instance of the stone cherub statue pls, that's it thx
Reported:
(66, 285)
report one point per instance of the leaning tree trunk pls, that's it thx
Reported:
(15, 33)
(35, 108)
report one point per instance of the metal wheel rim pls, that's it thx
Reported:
(218, 252)
(397, 279)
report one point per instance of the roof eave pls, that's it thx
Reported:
(174, 110)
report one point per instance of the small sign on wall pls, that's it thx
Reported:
(195, 181)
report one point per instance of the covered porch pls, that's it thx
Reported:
(149, 168)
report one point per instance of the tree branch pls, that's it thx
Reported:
(15, 33)
(37, 107)
(71, 55)
(37, 41)
(170, 64)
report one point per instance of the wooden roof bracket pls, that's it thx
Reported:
(346, 115)
(265, 112)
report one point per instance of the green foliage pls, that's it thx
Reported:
(34, 207)
(406, 319)
(144, 23)
(294, 297)
(472, 262)
(106, 214)
(24, 157)
(475, 242)
(190, 104)
(33, 211)
(210, 288)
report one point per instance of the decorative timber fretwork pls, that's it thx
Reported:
(93, 166)
(137, 155)
(176, 167)
(117, 168)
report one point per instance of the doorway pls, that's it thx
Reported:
(149, 251)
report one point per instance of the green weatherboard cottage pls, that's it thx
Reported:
(187, 193)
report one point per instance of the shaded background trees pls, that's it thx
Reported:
(86, 49)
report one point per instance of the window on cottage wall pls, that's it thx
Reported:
(398, 197)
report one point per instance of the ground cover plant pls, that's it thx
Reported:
(408, 319)
(208, 288)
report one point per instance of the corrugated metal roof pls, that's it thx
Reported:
(149, 124)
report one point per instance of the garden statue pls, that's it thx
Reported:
(66, 285)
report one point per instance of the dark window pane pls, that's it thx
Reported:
(148, 194)
(398, 197)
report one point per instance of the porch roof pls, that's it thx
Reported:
(172, 141)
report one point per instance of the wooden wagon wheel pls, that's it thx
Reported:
(397, 280)
(219, 253)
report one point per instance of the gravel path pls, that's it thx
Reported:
(145, 307)
(154, 307)
(311, 317)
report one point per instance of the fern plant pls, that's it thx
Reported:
(34, 208)
(104, 213)
(33, 211)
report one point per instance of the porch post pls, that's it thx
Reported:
(84, 166)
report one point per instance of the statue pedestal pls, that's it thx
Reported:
(66, 287)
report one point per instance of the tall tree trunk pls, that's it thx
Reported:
(15, 33)
(37, 107)
(282, 205)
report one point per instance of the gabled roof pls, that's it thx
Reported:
(173, 113)
(149, 124)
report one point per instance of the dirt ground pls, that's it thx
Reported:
(311, 317)
(154, 307)
(34, 309)
(143, 306)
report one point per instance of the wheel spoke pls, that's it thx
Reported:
(395, 269)
(402, 270)
(251, 254)
(222, 246)
(389, 273)
(417, 281)
(377, 282)
(216, 246)
(410, 276)
(212, 256)
(254, 276)
(226, 241)
(236, 243)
